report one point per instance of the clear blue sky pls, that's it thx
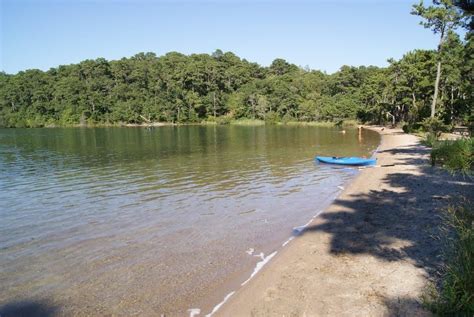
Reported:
(320, 34)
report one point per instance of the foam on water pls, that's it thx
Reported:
(287, 241)
(194, 312)
(259, 266)
(216, 308)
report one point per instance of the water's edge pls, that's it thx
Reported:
(163, 221)
(266, 260)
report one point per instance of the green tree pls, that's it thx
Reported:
(441, 18)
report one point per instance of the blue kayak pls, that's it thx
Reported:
(346, 160)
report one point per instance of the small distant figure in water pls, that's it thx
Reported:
(343, 131)
(360, 134)
(382, 129)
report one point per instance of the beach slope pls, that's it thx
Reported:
(371, 253)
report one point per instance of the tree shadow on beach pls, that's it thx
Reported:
(404, 306)
(410, 155)
(28, 309)
(401, 220)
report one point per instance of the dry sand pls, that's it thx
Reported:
(371, 253)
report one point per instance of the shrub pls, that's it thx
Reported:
(456, 156)
(211, 119)
(350, 123)
(456, 294)
(430, 140)
(406, 128)
(222, 120)
(470, 124)
(249, 122)
(435, 126)
(338, 123)
(287, 118)
(272, 117)
(410, 127)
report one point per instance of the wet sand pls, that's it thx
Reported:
(371, 253)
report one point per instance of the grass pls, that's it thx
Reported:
(350, 123)
(455, 156)
(224, 120)
(341, 123)
(257, 122)
(455, 296)
(310, 123)
(207, 122)
(249, 122)
(429, 139)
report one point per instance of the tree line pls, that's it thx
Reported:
(221, 87)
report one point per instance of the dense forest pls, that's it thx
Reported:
(222, 87)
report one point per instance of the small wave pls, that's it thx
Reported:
(259, 266)
(216, 308)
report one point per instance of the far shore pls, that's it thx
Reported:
(240, 122)
(373, 252)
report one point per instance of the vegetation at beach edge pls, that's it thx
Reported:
(455, 295)
(457, 156)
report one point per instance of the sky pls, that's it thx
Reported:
(319, 34)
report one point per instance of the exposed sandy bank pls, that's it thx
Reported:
(370, 253)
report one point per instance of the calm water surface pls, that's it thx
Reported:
(129, 221)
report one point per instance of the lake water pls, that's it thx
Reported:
(130, 221)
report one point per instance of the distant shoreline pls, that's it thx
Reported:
(240, 122)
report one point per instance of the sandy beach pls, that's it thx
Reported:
(371, 253)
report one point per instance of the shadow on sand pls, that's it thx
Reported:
(28, 309)
(406, 208)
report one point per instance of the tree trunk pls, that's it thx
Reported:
(214, 103)
(414, 113)
(414, 100)
(252, 102)
(438, 75)
(144, 118)
(393, 118)
(191, 105)
(452, 104)
(435, 95)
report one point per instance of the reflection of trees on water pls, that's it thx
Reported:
(218, 158)
(212, 148)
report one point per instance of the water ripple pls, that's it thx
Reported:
(82, 208)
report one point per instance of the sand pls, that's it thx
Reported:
(371, 253)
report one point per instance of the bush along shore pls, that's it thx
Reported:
(454, 295)
(455, 155)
